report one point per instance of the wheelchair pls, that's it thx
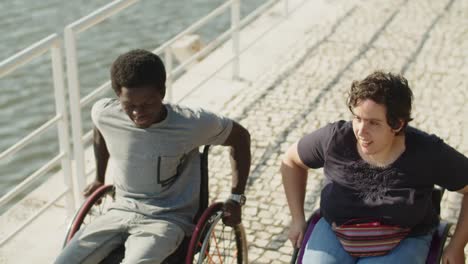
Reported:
(437, 243)
(211, 241)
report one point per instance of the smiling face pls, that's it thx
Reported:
(374, 135)
(143, 105)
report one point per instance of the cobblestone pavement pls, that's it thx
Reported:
(427, 41)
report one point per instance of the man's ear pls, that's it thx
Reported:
(118, 92)
(400, 126)
(162, 92)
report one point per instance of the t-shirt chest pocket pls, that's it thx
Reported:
(169, 169)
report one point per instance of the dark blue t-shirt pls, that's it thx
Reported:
(399, 194)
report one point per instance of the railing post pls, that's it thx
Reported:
(75, 111)
(168, 66)
(235, 26)
(62, 125)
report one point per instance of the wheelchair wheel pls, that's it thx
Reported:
(438, 242)
(214, 242)
(299, 252)
(95, 205)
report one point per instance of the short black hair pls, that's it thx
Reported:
(138, 68)
(388, 89)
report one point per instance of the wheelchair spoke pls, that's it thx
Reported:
(217, 247)
(207, 253)
(224, 244)
(221, 246)
(234, 254)
(219, 243)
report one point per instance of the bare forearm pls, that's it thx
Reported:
(460, 237)
(239, 143)
(101, 155)
(294, 182)
(240, 163)
(101, 170)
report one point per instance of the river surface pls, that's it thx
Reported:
(26, 95)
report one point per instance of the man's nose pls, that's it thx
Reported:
(137, 111)
(362, 128)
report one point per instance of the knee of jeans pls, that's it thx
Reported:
(152, 252)
(60, 259)
(314, 256)
(68, 255)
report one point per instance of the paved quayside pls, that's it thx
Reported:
(294, 80)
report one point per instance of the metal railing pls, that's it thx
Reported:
(77, 103)
(237, 51)
(75, 179)
(51, 43)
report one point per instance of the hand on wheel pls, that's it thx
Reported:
(91, 188)
(296, 232)
(232, 213)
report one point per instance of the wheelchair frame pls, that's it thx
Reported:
(203, 246)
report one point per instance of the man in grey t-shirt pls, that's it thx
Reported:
(151, 150)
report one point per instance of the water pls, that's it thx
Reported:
(26, 98)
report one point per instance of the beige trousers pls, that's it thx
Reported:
(146, 240)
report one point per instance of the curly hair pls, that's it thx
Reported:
(138, 68)
(388, 89)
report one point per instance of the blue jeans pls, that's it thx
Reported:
(324, 247)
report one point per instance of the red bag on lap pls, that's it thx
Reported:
(365, 239)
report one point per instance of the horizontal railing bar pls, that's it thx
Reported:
(78, 26)
(88, 98)
(194, 26)
(215, 43)
(257, 12)
(26, 55)
(206, 79)
(229, 60)
(99, 15)
(20, 144)
(208, 48)
(36, 215)
(27, 182)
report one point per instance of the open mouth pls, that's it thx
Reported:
(365, 143)
(141, 120)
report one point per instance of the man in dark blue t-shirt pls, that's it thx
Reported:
(376, 167)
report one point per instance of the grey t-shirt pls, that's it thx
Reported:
(398, 194)
(156, 170)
